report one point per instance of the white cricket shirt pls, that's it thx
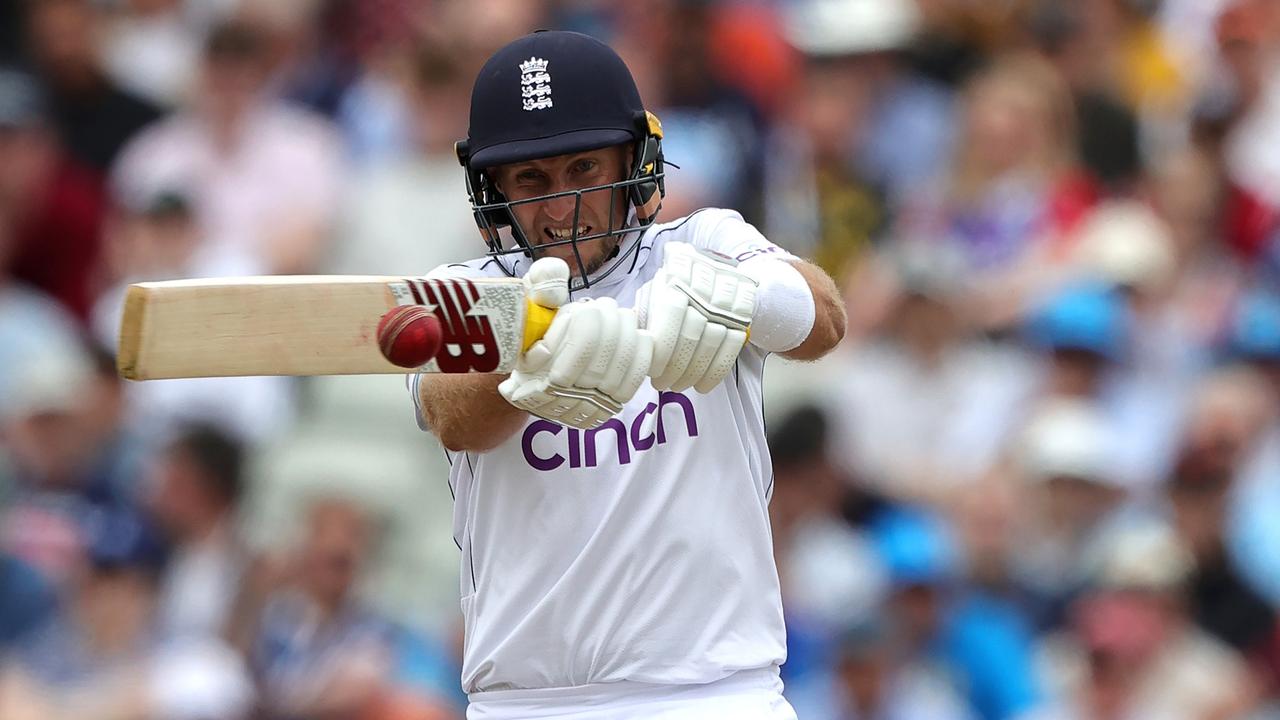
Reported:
(640, 550)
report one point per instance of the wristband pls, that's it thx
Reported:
(785, 308)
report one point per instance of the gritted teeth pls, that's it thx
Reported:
(566, 233)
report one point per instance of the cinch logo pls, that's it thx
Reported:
(582, 451)
(753, 252)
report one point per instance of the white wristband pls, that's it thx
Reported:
(785, 309)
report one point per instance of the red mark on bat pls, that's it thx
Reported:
(469, 342)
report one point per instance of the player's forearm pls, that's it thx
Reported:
(828, 316)
(466, 412)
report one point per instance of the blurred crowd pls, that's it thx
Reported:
(1040, 479)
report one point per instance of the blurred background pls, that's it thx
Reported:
(1040, 479)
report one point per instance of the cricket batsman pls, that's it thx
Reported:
(611, 494)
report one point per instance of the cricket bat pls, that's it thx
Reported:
(317, 325)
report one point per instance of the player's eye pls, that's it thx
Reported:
(584, 165)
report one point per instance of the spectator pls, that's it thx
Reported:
(877, 683)
(119, 452)
(978, 639)
(924, 381)
(30, 320)
(709, 127)
(52, 206)
(320, 651)
(992, 525)
(310, 64)
(1072, 37)
(1066, 457)
(831, 178)
(33, 328)
(1246, 37)
(831, 577)
(1220, 600)
(152, 48)
(160, 240)
(1133, 651)
(1087, 334)
(1232, 411)
(94, 116)
(1127, 245)
(26, 602)
(1013, 187)
(102, 659)
(401, 201)
(43, 422)
(196, 487)
(1253, 338)
(875, 678)
(878, 37)
(263, 177)
(1215, 228)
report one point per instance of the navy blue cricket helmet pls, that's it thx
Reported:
(554, 93)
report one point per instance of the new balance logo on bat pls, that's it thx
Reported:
(469, 342)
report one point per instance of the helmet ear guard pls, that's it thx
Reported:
(646, 196)
(490, 209)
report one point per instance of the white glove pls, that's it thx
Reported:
(547, 282)
(591, 361)
(698, 310)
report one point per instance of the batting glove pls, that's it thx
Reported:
(591, 361)
(547, 282)
(698, 310)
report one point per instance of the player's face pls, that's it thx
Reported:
(553, 220)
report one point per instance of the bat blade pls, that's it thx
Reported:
(314, 325)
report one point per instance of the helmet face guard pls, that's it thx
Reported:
(643, 191)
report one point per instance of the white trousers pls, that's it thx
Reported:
(745, 695)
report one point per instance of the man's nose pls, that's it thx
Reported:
(562, 208)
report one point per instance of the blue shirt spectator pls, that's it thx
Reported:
(26, 601)
(983, 642)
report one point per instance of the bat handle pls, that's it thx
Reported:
(536, 321)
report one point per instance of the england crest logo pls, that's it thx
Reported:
(535, 84)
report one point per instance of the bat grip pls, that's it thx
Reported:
(536, 321)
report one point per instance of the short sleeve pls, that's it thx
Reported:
(724, 232)
(473, 270)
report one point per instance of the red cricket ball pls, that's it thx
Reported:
(409, 335)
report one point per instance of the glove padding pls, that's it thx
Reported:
(588, 365)
(698, 310)
(547, 282)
